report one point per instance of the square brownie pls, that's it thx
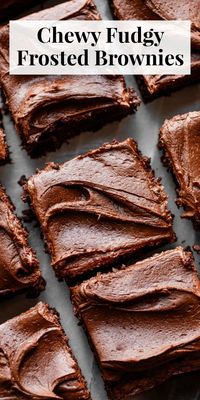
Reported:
(153, 86)
(47, 110)
(4, 153)
(36, 360)
(19, 267)
(99, 207)
(180, 142)
(143, 322)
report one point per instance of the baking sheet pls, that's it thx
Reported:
(144, 127)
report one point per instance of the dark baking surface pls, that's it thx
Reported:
(144, 127)
(12, 8)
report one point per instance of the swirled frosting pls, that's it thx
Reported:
(132, 9)
(143, 321)
(99, 207)
(180, 141)
(48, 109)
(36, 361)
(19, 268)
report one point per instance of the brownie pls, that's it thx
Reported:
(180, 142)
(36, 360)
(132, 9)
(4, 153)
(99, 207)
(177, 10)
(161, 9)
(19, 267)
(47, 110)
(143, 322)
(153, 86)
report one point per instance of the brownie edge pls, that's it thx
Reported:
(19, 267)
(4, 152)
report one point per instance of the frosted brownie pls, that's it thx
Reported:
(180, 142)
(19, 267)
(99, 207)
(47, 110)
(36, 360)
(153, 86)
(143, 322)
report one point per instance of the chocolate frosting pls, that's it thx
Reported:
(185, 10)
(98, 207)
(61, 106)
(143, 321)
(161, 9)
(36, 362)
(19, 268)
(132, 9)
(180, 141)
(152, 86)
